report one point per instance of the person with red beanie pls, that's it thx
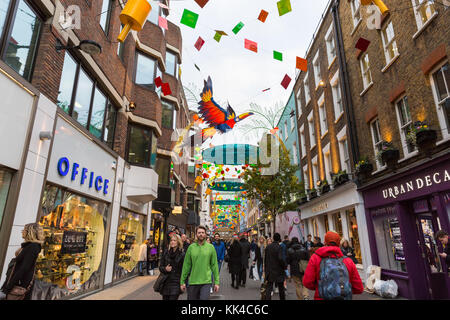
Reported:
(331, 248)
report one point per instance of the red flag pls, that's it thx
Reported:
(201, 3)
(302, 64)
(251, 45)
(362, 44)
(166, 89)
(158, 82)
(199, 43)
(263, 16)
(286, 81)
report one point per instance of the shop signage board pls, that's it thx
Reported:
(78, 163)
(320, 207)
(73, 242)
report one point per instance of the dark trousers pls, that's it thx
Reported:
(171, 297)
(243, 275)
(235, 277)
(151, 265)
(142, 266)
(198, 291)
(269, 289)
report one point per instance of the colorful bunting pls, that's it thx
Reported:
(286, 81)
(284, 6)
(251, 45)
(189, 18)
(166, 89)
(158, 82)
(266, 90)
(199, 43)
(163, 22)
(238, 27)
(196, 66)
(277, 55)
(162, 5)
(362, 44)
(201, 3)
(263, 16)
(217, 36)
(302, 64)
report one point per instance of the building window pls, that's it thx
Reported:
(323, 118)
(441, 85)
(312, 132)
(405, 123)
(294, 153)
(20, 28)
(105, 15)
(316, 64)
(145, 70)
(345, 155)
(120, 46)
(286, 132)
(306, 87)
(299, 104)
(337, 97)
(5, 182)
(316, 176)
(423, 10)
(171, 63)
(306, 177)
(356, 12)
(303, 141)
(376, 138)
(153, 16)
(292, 121)
(365, 70)
(163, 170)
(389, 43)
(331, 48)
(81, 98)
(353, 233)
(169, 115)
(327, 163)
(140, 145)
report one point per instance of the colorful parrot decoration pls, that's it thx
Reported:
(220, 120)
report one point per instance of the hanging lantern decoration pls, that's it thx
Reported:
(133, 17)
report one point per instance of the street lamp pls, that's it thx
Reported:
(88, 46)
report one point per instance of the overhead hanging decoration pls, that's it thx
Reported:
(286, 81)
(199, 43)
(263, 16)
(201, 3)
(189, 18)
(380, 4)
(238, 27)
(133, 17)
(301, 64)
(277, 55)
(251, 45)
(284, 6)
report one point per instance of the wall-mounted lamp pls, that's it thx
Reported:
(45, 135)
(131, 107)
(322, 84)
(89, 46)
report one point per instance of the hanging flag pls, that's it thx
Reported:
(251, 45)
(238, 27)
(166, 89)
(162, 22)
(362, 44)
(284, 6)
(158, 82)
(201, 3)
(189, 18)
(286, 81)
(263, 16)
(277, 55)
(264, 91)
(196, 67)
(302, 64)
(162, 5)
(199, 43)
(217, 37)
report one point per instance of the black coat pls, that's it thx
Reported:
(175, 259)
(296, 253)
(274, 263)
(350, 250)
(235, 253)
(447, 259)
(24, 268)
(245, 253)
(258, 256)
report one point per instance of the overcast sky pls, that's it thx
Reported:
(240, 75)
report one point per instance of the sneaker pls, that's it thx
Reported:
(211, 290)
(276, 290)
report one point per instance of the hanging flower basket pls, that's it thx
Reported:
(388, 155)
(340, 178)
(324, 187)
(426, 140)
(312, 193)
(364, 169)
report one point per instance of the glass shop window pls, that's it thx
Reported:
(353, 233)
(5, 182)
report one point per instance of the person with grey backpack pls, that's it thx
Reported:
(330, 274)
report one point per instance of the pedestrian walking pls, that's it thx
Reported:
(284, 247)
(171, 264)
(275, 267)
(297, 253)
(330, 274)
(308, 242)
(200, 260)
(219, 245)
(152, 257)
(245, 255)
(348, 251)
(185, 242)
(286, 242)
(20, 273)
(235, 262)
(442, 236)
(259, 256)
(142, 262)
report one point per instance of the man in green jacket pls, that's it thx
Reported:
(200, 261)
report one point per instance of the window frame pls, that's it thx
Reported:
(417, 5)
(387, 43)
(127, 147)
(152, 86)
(316, 69)
(363, 72)
(299, 103)
(176, 63)
(399, 103)
(354, 11)
(306, 88)
(108, 17)
(174, 114)
(376, 144)
(312, 131)
(438, 102)
(323, 116)
(335, 88)
(329, 38)
(303, 141)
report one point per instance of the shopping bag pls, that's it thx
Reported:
(255, 274)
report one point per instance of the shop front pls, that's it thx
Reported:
(342, 211)
(75, 210)
(404, 212)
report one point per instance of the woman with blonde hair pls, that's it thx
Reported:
(21, 269)
(172, 265)
(348, 251)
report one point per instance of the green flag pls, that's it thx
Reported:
(277, 56)
(238, 27)
(189, 18)
(284, 6)
(217, 36)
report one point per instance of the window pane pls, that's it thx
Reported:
(110, 124)
(5, 181)
(442, 78)
(120, 46)
(22, 44)
(167, 114)
(154, 150)
(139, 146)
(104, 15)
(82, 99)
(66, 84)
(154, 13)
(145, 71)
(98, 114)
(163, 170)
(171, 63)
(4, 5)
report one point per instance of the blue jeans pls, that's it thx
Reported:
(260, 273)
(141, 266)
(219, 263)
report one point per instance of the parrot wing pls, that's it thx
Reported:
(211, 112)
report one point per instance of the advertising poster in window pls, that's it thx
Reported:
(397, 245)
(73, 242)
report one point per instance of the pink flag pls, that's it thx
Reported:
(286, 81)
(251, 45)
(163, 22)
(162, 5)
(199, 44)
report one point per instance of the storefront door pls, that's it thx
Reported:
(427, 225)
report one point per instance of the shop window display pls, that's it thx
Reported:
(353, 234)
(70, 260)
(338, 223)
(388, 239)
(5, 181)
(130, 235)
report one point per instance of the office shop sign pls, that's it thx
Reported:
(82, 175)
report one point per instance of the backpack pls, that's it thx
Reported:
(334, 281)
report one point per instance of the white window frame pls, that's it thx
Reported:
(440, 103)
(292, 122)
(316, 68)
(388, 42)
(401, 126)
(294, 153)
(306, 88)
(366, 84)
(338, 105)
(330, 43)
(299, 103)
(286, 130)
(303, 141)
(417, 6)
(327, 161)
(315, 171)
(356, 10)
(306, 177)
(322, 116)
(312, 130)
(376, 143)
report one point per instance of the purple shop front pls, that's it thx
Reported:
(403, 214)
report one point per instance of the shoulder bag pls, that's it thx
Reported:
(160, 281)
